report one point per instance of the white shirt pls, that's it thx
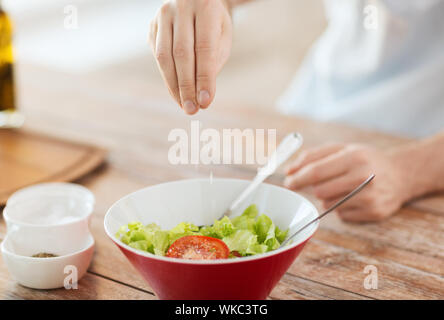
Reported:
(379, 65)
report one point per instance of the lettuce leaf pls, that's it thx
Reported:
(244, 223)
(251, 212)
(223, 227)
(244, 242)
(208, 231)
(181, 230)
(264, 228)
(161, 242)
(148, 238)
(281, 235)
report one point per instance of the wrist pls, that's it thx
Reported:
(412, 162)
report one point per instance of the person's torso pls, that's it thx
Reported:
(379, 64)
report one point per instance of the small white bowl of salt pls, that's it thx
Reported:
(48, 243)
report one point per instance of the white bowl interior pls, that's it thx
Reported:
(48, 210)
(201, 201)
(27, 242)
(65, 189)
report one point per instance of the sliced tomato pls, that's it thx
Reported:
(198, 248)
(236, 254)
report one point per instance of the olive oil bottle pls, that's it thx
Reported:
(9, 117)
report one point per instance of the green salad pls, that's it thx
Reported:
(245, 235)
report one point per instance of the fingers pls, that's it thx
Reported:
(313, 155)
(225, 44)
(337, 187)
(191, 41)
(184, 59)
(153, 35)
(316, 172)
(365, 198)
(163, 46)
(208, 35)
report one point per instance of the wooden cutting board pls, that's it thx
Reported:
(27, 158)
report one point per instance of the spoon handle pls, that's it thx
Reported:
(337, 204)
(289, 145)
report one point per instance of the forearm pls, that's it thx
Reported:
(422, 165)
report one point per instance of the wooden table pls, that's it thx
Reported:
(132, 118)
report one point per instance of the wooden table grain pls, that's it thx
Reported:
(132, 119)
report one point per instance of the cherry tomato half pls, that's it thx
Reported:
(198, 248)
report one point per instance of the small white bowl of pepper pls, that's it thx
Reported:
(48, 243)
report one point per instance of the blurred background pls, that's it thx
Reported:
(270, 40)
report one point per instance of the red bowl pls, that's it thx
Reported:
(201, 201)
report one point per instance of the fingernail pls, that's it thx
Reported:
(204, 98)
(189, 106)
